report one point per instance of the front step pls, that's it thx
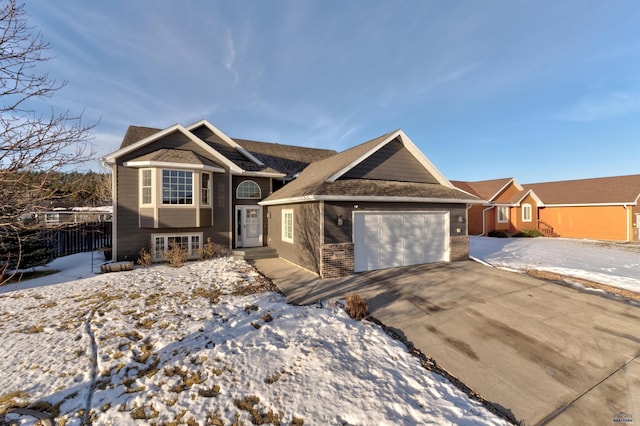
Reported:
(254, 253)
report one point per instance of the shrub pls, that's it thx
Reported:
(529, 233)
(145, 259)
(357, 306)
(176, 255)
(211, 250)
(497, 234)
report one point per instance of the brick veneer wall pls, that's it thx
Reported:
(459, 247)
(337, 260)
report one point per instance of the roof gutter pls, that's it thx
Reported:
(365, 198)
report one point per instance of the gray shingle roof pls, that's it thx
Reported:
(179, 156)
(135, 134)
(377, 188)
(287, 159)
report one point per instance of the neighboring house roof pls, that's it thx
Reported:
(519, 196)
(332, 178)
(605, 190)
(486, 189)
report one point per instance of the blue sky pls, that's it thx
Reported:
(539, 91)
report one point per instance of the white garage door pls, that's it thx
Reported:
(388, 239)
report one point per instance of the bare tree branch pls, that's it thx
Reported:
(34, 146)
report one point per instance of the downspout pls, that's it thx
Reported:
(232, 213)
(321, 243)
(114, 212)
(628, 220)
(484, 220)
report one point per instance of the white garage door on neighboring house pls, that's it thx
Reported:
(389, 239)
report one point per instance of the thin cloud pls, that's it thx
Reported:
(604, 107)
(230, 56)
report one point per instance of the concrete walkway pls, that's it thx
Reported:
(541, 352)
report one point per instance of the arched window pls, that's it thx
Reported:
(248, 189)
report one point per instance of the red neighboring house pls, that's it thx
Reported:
(600, 208)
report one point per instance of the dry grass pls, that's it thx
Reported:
(357, 306)
(11, 400)
(551, 276)
(258, 416)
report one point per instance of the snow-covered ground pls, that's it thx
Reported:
(163, 345)
(606, 263)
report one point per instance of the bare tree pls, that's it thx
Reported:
(33, 145)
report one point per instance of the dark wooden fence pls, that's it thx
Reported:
(79, 237)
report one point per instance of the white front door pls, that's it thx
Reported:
(248, 226)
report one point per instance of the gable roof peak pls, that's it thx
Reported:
(176, 128)
(224, 137)
(372, 146)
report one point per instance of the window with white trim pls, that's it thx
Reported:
(287, 226)
(146, 186)
(205, 189)
(177, 187)
(160, 243)
(248, 189)
(526, 212)
(52, 217)
(503, 214)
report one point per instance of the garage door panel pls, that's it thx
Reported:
(384, 240)
(365, 243)
(413, 239)
(390, 242)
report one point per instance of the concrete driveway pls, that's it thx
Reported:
(541, 352)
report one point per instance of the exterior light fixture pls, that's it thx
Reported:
(340, 221)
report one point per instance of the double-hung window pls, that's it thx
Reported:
(526, 213)
(177, 187)
(205, 189)
(146, 185)
(503, 214)
(287, 226)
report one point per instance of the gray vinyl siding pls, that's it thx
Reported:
(305, 250)
(129, 241)
(206, 217)
(391, 162)
(176, 218)
(146, 218)
(334, 234)
(221, 210)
